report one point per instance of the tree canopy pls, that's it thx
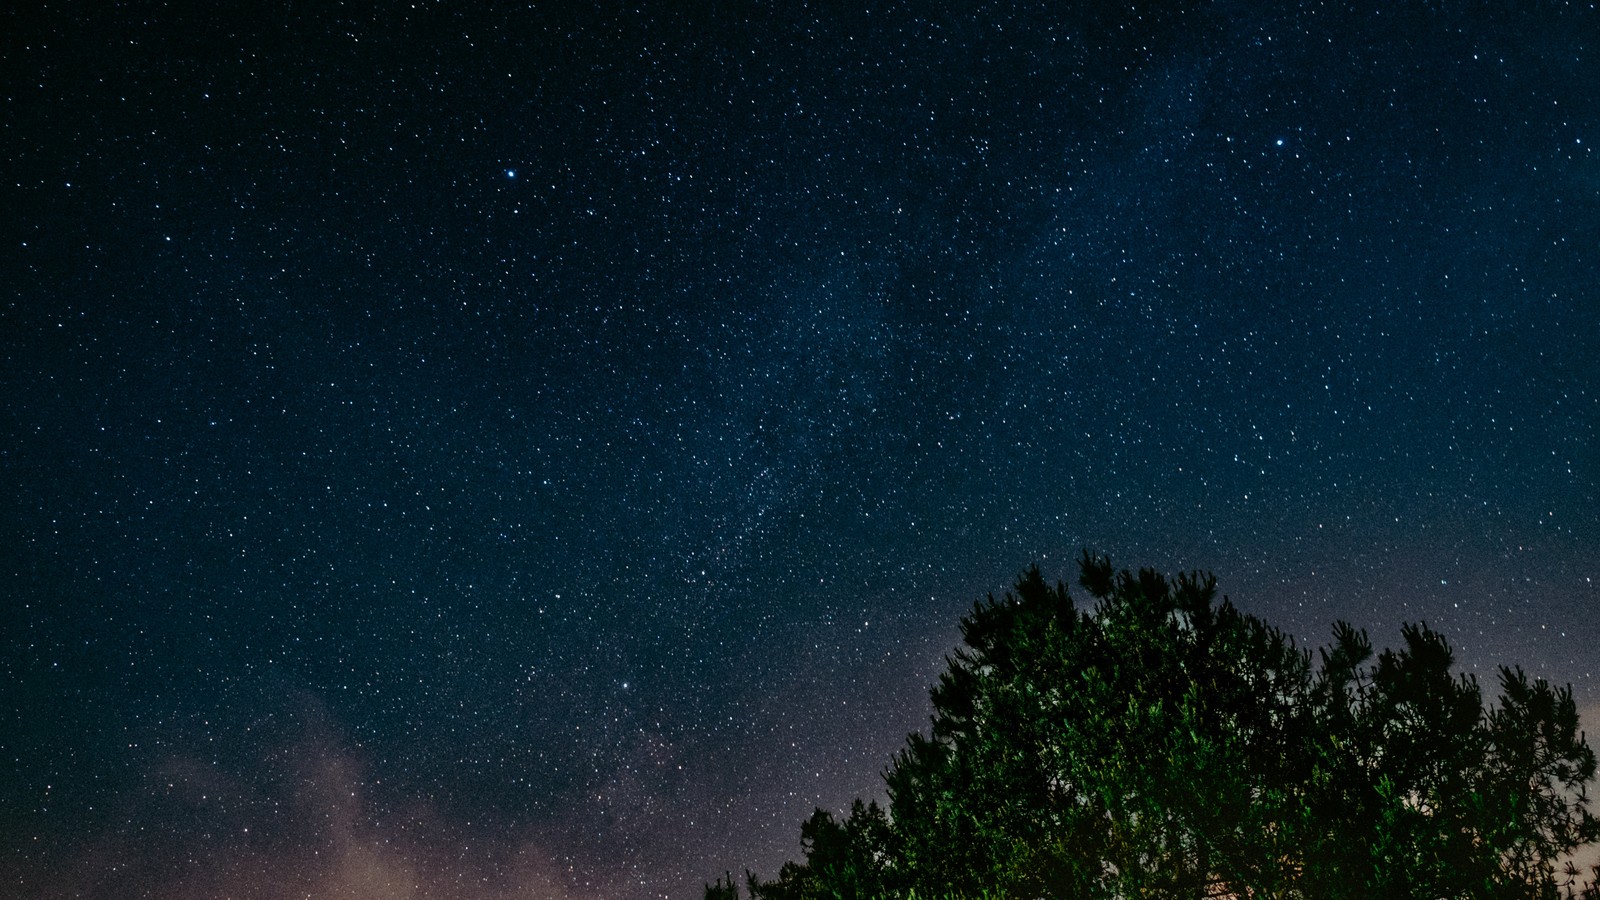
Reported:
(1160, 743)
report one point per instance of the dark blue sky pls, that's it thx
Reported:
(493, 451)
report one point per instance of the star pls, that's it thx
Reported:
(773, 340)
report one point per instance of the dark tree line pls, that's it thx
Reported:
(1159, 743)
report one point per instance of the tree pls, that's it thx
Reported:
(843, 861)
(1160, 743)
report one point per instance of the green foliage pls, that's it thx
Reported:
(845, 861)
(1160, 743)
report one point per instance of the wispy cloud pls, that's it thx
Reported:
(299, 822)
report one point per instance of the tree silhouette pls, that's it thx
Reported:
(1160, 743)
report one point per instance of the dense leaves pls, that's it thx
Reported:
(1160, 743)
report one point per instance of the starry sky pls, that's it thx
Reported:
(476, 450)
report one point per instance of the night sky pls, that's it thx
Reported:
(476, 451)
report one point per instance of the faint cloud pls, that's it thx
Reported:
(298, 823)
